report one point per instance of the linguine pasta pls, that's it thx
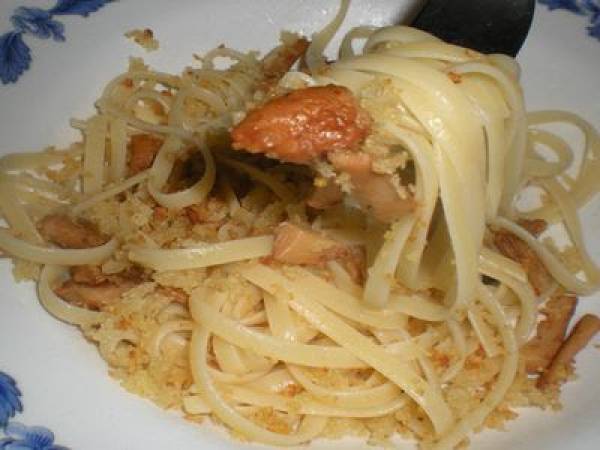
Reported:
(190, 306)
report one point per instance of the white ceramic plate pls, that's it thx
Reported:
(63, 381)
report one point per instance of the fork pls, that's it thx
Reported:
(489, 26)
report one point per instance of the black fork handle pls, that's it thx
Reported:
(489, 26)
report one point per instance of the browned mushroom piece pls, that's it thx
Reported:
(91, 288)
(304, 124)
(550, 333)
(299, 245)
(93, 297)
(516, 249)
(280, 60)
(534, 226)
(143, 148)
(583, 332)
(374, 192)
(88, 274)
(66, 232)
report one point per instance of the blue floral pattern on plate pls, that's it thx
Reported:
(590, 8)
(14, 435)
(15, 55)
(10, 401)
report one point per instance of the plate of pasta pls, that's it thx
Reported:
(295, 224)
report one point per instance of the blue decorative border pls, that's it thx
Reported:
(15, 55)
(14, 435)
(590, 8)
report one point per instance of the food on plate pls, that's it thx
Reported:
(304, 124)
(304, 248)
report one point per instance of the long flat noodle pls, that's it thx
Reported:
(504, 380)
(314, 54)
(59, 308)
(39, 185)
(374, 355)
(399, 34)
(57, 256)
(36, 204)
(437, 103)
(142, 125)
(118, 149)
(139, 101)
(361, 32)
(458, 336)
(355, 397)
(231, 87)
(255, 319)
(167, 328)
(512, 275)
(488, 100)
(165, 160)
(209, 98)
(15, 213)
(492, 261)
(266, 345)
(457, 135)
(32, 160)
(163, 163)
(229, 357)
(558, 270)
(204, 255)
(385, 395)
(482, 330)
(311, 425)
(430, 374)
(418, 306)
(536, 167)
(281, 321)
(427, 188)
(516, 133)
(282, 326)
(353, 80)
(586, 182)
(276, 381)
(256, 362)
(512, 95)
(430, 49)
(93, 154)
(138, 75)
(192, 195)
(377, 288)
(232, 378)
(496, 165)
(573, 226)
(302, 282)
(464, 246)
(110, 192)
(343, 280)
(309, 406)
(195, 404)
